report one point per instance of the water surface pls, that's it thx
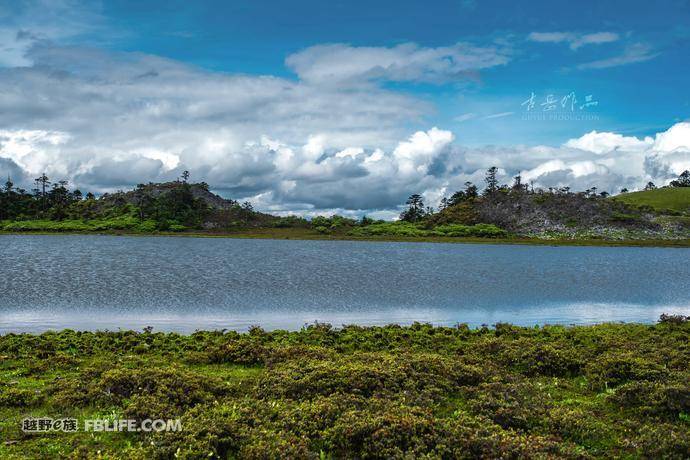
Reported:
(183, 284)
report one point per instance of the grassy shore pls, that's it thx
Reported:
(310, 234)
(611, 391)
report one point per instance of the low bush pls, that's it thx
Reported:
(615, 368)
(142, 393)
(407, 229)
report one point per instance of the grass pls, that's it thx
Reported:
(676, 199)
(113, 224)
(604, 391)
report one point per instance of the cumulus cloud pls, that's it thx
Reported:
(574, 40)
(315, 177)
(617, 161)
(338, 63)
(76, 107)
(600, 143)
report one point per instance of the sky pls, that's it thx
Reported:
(307, 107)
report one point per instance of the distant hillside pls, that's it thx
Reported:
(219, 213)
(199, 191)
(540, 213)
(661, 199)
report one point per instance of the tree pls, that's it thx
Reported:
(415, 209)
(518, 186)
(491, 181)
(185, 176)
(471, 190)
(59, 199)
(650, 186)
(461, 196)
(624, 190)
(683, 180)
(41, 183)
(456, 198)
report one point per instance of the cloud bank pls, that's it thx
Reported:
(334, 139)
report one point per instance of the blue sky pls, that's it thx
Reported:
(324, 77)
(256, 36)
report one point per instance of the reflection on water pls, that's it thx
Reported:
(183, 284)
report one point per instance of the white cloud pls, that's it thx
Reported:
(338, 63)
(35, 21)
(607, 142)
(617, 161)
(574, 40)
(465, 117)
(415, 155)
(314, 177)
(677, 138)
(638, 52)
(498, 115)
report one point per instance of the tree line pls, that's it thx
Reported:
(55, 201)
(415, 209)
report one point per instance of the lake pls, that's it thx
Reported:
(181, 284)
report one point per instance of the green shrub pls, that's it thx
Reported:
(369, 374)
(511, 405)
(177, 228)
(408, 229)
(663, 440)
(477, 230)
(655, 398)
(537, 358)
(149, 392)
(613, 369)
(19, 397)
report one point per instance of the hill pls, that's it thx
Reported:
(675, 199)
(212, 211)
(526, 213)
(198, 191)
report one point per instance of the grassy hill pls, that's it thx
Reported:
(661, 199)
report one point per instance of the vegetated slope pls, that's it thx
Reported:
(219, 212)
(662, 199)
(605, 391)
(155, 190)
(535, 213)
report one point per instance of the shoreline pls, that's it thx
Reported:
(310, 235)
(470, 327)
